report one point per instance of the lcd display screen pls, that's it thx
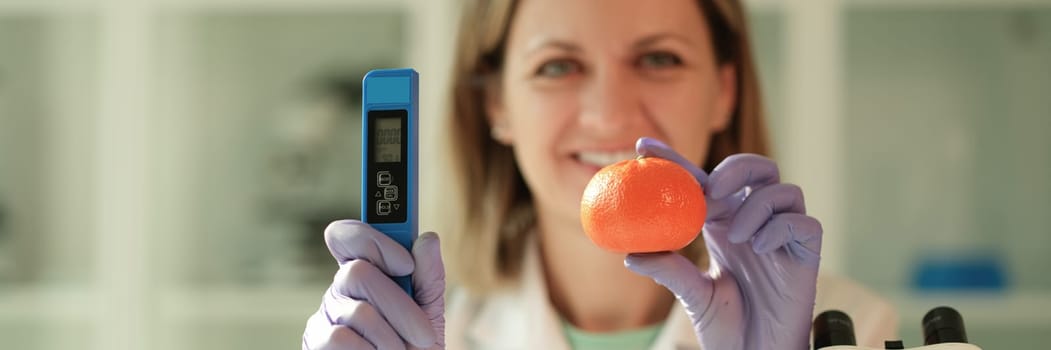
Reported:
(387, 140)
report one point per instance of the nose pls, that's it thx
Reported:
(610, 104)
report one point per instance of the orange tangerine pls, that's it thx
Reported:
(642, 205)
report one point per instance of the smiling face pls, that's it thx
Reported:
(583, 79)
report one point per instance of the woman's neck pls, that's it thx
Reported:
(590, 287)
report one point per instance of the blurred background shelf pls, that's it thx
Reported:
(1020, 310)
(238, 304)
(248, 151)
(30, 304)
(767, 5)
(947, 4)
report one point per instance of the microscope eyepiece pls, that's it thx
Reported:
(833, 327)
(943, 325)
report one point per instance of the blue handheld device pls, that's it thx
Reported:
(389, 156)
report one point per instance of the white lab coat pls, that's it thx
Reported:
(523, 318)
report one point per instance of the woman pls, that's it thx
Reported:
(545, 93)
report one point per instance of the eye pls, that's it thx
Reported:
(558, 68)
(657, 60)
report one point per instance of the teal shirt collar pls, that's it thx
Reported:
(638, 339)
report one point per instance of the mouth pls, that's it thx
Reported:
(601, 159)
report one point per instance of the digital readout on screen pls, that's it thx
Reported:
(387, 140)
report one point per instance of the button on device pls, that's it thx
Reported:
(383, 207)
(390, 193)
(384, 178)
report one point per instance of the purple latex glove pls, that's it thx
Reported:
(759, 291)
(364, 308)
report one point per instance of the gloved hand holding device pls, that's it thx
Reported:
(364, 308)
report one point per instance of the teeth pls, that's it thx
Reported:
(603, 159)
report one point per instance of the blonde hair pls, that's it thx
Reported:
(494, 208)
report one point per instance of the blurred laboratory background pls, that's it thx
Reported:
(167, 167)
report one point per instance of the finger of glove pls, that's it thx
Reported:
(650, 147)
(322, 335)
(351, 240)
(720, 211)
(678, 274)
(360, 280)
(343, 338)
(364, 319)
(429, 278)
(739, 171)
(798, 233)
(761, 205)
